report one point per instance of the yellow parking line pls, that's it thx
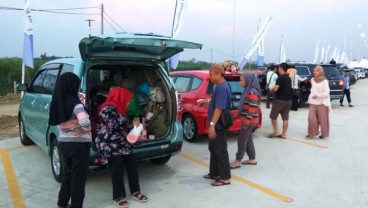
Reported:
(299, 141)
(242, 180)
(309, 143)
(13, 186)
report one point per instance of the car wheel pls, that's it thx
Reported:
(24, 139)
(56, 161)
(190, 128)
(161, 160)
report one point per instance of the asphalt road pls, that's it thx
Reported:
(294, 172)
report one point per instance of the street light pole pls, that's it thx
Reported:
(89, 25)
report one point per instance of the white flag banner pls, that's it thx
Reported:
(28, 35)
(327, 51)
(333, 54)
(338, 56)
(261, 49)
(282, 51)
(255, 43)
(181, 6)
(323, 44)
(316, 52)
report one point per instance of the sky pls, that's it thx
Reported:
(224, 27)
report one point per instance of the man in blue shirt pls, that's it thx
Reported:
(217, 145)
(346, 87)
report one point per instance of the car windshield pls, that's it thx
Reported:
(302, 71)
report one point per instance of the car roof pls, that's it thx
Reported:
(202, 73)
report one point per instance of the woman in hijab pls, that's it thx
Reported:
(111, 140)
(319, 105)
(67, 111)
(248, 111)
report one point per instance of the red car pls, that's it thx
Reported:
(194, 85)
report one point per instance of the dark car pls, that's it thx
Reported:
(262, 81)
(195, 85)
(331, 73)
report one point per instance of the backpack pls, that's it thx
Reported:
(158, 125)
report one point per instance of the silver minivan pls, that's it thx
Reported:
(126, 59)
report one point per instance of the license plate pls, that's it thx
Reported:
(164, 146)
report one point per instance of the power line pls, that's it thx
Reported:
(114, 21)
(58, 11)
(110, 25)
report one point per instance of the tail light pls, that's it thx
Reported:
(341, 83)
(179, 106)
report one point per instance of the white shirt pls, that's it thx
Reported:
(271, 79)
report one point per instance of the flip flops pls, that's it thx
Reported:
(220, 183)
(246, 162)
(208, 176)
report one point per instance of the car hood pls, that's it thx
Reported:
(133, 47)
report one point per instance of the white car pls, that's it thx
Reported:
(360, 72)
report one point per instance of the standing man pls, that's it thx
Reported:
(217, 144)
(270, 83)
(282, 103)
(346, 88)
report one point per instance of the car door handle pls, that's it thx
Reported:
(32, 102)
(46, 106)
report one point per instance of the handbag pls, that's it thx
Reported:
(226, 118)
(295, 93)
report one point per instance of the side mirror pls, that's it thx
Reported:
(22, 87)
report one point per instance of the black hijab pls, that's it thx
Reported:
(64, 98)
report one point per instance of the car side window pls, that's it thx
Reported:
(196, 82)
(66, 68)
(36, 86)
(182, 83)
(50, 80)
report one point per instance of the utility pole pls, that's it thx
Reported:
(102, 18)
(89, 25)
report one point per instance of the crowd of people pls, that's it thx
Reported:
(68, 112)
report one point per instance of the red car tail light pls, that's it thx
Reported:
(341, 83)
(179, 106)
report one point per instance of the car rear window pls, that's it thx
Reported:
(302, 71)
(331, 71)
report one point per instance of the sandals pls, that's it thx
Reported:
(274, 135)
(138, 196)
(246, 162)
(121, 202)
(208, 176)
(219, 182)
(234, 165)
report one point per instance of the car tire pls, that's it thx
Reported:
(161, 160)
(24, 139)
(56, 161)
(190, 128)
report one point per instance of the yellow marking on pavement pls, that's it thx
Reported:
(297, 140)
(309, 143)
(13, 186)
(242, 180)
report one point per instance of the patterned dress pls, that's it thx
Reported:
(111, 132)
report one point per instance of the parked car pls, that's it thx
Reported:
(134, 59)
(360, 72)
(262, 79)
(194, 85)
(260, 70)
(366, 73)
(331, 73)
